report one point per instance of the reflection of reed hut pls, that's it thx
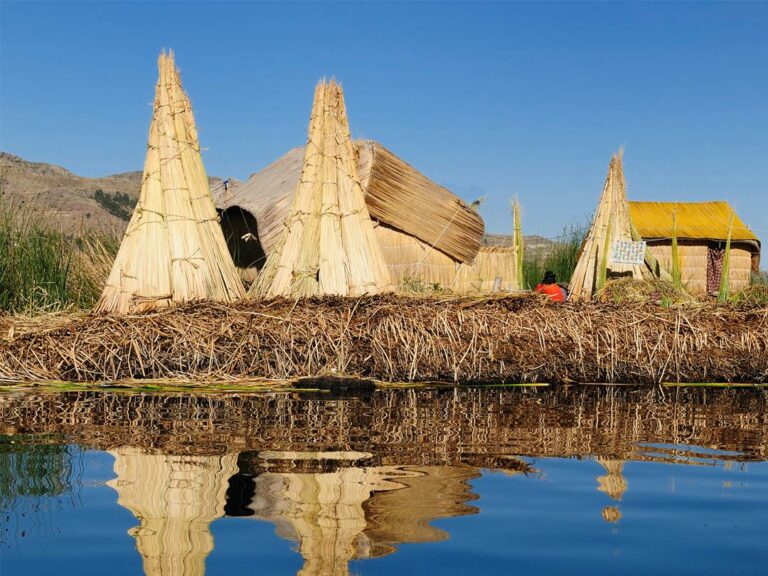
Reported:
(175, 498)
(426, 233)
(702, 232)
(614, 485)
(356, 512)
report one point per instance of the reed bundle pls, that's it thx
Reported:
(611, 223)
(512, 339)
(173, 250)
(328, 245)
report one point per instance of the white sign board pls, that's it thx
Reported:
(628, 252)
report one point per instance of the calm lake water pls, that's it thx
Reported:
(586, 480)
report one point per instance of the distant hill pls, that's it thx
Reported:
(105, 204)
(532, 243)
(69, 201)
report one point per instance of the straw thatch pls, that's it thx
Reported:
(401, 196)
(173, 250)
(437, 217)
(611, 223)
(518, 339)
(328, 245)
(699, 226)
(175, 498)
(410, 260)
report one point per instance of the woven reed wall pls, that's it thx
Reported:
(491, 263)
(408, 258)
(693, 263)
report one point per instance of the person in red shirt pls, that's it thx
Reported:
(551, 288)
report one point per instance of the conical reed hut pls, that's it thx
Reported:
(173, 249)
(612, 248)
(328, 244)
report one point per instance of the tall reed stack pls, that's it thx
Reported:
(173, 250)
(328, 245)
(611, 223)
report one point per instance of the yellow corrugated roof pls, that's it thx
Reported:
(694, 220)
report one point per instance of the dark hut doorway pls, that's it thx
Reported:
(241, 232)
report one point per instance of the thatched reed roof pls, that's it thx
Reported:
(173, 249)
(695, 221)
(327, 245)
(175, 498)
(399, 195)
(396, 194)
(610, 224)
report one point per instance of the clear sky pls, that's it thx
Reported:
(489, 99)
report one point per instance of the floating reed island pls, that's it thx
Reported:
(400, 339)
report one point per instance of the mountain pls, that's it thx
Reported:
(74, 203)
(531, 243)
(66, 200)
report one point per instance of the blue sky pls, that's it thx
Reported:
(489, 100)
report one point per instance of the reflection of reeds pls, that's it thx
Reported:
(611, 514)
(35, 478)
(477, 427)
(391, 338)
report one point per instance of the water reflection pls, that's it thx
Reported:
(354, 477)
(175, 498)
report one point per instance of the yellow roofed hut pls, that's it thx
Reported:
(702, 230)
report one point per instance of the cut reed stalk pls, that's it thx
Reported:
(518, 245)
(677, 275)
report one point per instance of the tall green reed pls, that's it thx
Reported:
(560, 259)
(43, 268)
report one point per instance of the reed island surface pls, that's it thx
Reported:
(387, 338)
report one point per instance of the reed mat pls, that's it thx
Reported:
(401, 339)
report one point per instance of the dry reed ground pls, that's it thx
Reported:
(510, 339)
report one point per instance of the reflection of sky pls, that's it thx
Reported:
(694, 519)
